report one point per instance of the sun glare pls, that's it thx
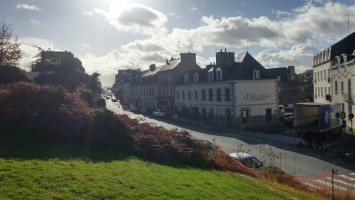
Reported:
(117, 6)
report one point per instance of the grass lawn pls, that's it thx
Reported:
(37, 169)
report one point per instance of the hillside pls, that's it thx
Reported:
(33, 168)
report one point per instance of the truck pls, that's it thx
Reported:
(317, 118)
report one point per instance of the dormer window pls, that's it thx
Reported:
(210, 74)
(186, 78)
(256, 74)
(195, 77)
(218, 74)
(278, 77)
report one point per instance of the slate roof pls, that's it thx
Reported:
(273, 73)
(172, 64)
(241, 69)
(346, 45)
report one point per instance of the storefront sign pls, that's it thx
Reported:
(256, 97)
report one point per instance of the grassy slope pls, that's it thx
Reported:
(56, 171)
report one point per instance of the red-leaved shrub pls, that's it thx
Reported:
(55, 113)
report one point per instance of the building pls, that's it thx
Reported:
(291, 88)
(333, 73)
(123, 80)
(155, 88)
(230, 92)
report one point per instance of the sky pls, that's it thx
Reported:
(109, 35)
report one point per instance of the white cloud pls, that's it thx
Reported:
(193, 8)
(144, 46)
(299, 56)
(136, 18)
(34, 22)
(231, 32)
(175, 15)
(27, 7)
(88, 12)
(317, 22)
(114, 60)
(30, 48)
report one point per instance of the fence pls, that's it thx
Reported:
(325, 185)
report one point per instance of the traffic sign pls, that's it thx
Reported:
(337, 115)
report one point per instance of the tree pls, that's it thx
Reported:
(10, 51)
(11, 74)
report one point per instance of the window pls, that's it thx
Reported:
(219, 74)
(227, 94)
(204, 112)
(268, 114)
(256, 74)
(218, 95)
(210, 74)
(196, 96)
(186, 78)
(211, 113)
(210, 94)
(189, 94)
(342, 87)
(177, 95)
(278, 77)
(317, 76)
(183, 95)
(195, 77)
(336, 87)
(203, 95)
(245, 116)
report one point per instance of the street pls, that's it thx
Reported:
(276, 149)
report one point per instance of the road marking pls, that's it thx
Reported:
(330, 185)
(347, 177)
(340, 181)
(313, 186)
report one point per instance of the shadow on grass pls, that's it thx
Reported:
(22, 147)
(17, 146)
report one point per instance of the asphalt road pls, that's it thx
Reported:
(279, 150)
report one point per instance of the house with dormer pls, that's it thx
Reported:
(230, 92)
(156, 87)
(333, 73)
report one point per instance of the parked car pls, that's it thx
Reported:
(281, 109)
(134, 109)
(159, 113)
(113, 99)
(145, 111)
(247, 160)
(286, 117)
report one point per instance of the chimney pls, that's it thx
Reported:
(152, 67)
(338, 59)
(345, 57)
(167, 61)
(188, 57)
